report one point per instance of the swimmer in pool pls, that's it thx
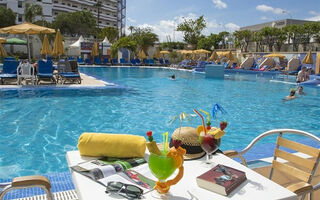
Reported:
(300, 90)
(291, 95)
(173, 77)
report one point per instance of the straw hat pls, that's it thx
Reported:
(190, 142)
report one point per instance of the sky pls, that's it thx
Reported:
(163, 16)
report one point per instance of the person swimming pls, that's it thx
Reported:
(300, 90)
(291, 95)
(173, 77)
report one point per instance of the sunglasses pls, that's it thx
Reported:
(129, 191)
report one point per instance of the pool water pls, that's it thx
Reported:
(39, 126)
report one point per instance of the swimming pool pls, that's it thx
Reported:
(39, 126)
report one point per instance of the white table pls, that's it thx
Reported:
(255, 187)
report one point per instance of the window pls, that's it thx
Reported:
(19, 18)
(19, 4)
(63, 3)
(55, 1)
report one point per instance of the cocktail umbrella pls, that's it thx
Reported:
(214, 56)
(308, 58)
(141, 54)
(272, 55)
(58, 45)
(2, 40)
(3, 52)
(45, 49)
(27, 29)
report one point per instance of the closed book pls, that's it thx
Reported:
(221, 179)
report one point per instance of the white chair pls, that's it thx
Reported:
(25, 71)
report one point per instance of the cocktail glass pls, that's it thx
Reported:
(162, 167)
(209, 144)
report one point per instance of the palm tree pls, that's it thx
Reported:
(31, 11)
(98, 5)
(131, 28)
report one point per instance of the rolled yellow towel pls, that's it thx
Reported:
(111, 145)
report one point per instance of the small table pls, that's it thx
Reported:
(255, 187)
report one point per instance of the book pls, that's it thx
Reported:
(221, 179)
(127, 171)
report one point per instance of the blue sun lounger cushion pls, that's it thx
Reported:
(111, 145)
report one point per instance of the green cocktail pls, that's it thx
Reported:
(161, 166)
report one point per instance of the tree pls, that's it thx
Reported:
(7, 17)
(110, 32)
(76, 23)
(192, 30)
(124, 42)
(257, 37)
(131, 28)
(98, 5)
(242, 39)
(294, 35)
(31, 11)
(222, 36)
(279, 37)
(144, 37)
(309, 30)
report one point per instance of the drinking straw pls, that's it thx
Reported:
(208, 115)
(165, 142)
(204, 127)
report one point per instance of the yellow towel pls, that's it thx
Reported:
(111, 145)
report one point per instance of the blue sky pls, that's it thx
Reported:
(229, 15)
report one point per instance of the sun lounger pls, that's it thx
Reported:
(97, 61)
(146, 62)
(299, 169)
(9, 70)
(45, 71)
(151, 62)
(26, 72)
(70, 58)
(167, 62)
(133, 62)
(80, 61)
(114, 61)
(34, 182)
(9, 58)
(138, 61)
(161, 62)
(65, 73)
(88, 61)
(124, 61)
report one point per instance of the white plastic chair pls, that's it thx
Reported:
(25, 71)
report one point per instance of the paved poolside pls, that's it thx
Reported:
(86, 81)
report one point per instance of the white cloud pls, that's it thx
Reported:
(265, 8)
(219, 4)
(131, 20)
(166, 28)
(316, 16)
(232, 27)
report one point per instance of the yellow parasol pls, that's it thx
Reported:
(229, 56)
(2, 40)
(199, 51)
(214, 56)
(164, 52)
(274, 55)
(58, 46)
(95, 50)
(157, 54)
(308, 58)
(28, 29)
(45, 49)
(3, 52)
(141, 54)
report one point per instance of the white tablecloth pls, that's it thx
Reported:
(255, 187)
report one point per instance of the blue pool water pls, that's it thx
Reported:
(39, 126)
